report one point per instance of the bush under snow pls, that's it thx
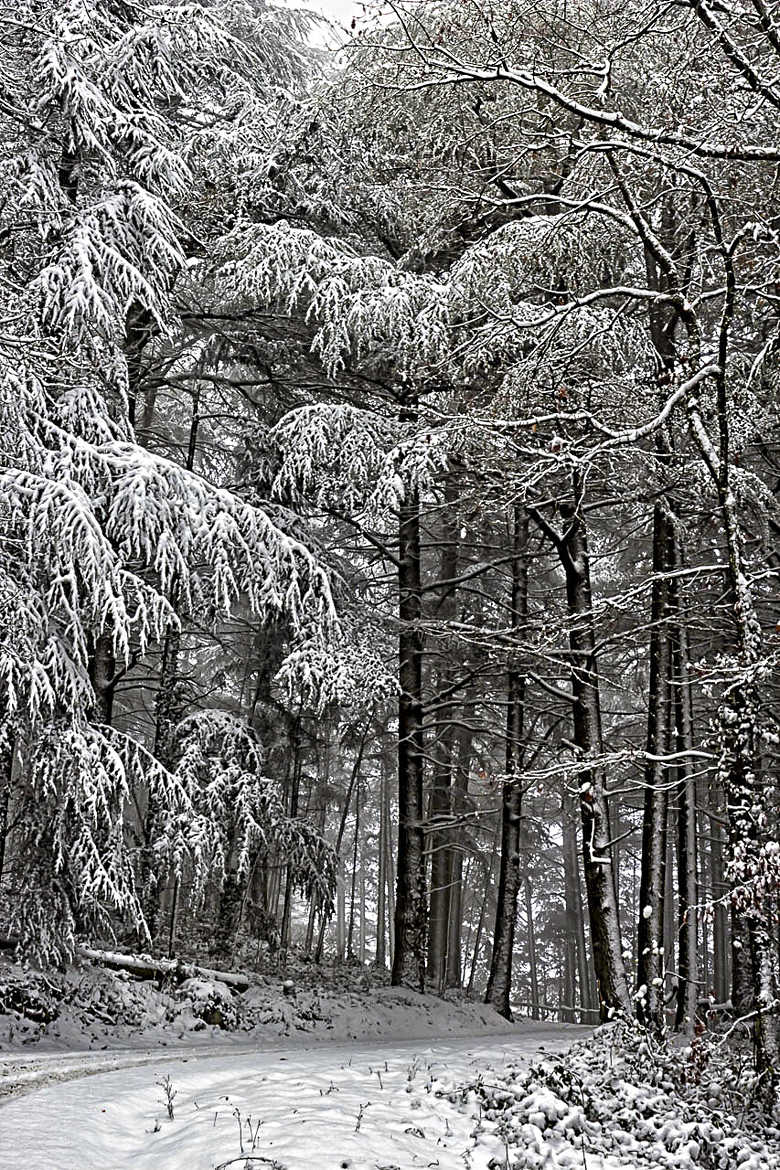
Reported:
(619, 1100)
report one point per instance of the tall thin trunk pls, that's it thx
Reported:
(168, 714)
(652, 885)
(353, 882)
(410, 909)
(533, 968)
(687, 863)
(719, 892)
(320, 796)
(607, 948)
(362, 914)
(747, 797)
(340, 907)
(390, 875)
(460, 791)
(292, 812)
(7, 749)
(443, 749)
(575, 917)
(380, 957)
(341, 923)
(499, 986)
(488, 879)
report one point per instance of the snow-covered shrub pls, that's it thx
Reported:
(210, 1001)
(620, 1096)
(32, 997)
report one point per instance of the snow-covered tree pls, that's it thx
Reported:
(105, 543)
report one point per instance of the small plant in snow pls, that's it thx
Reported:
(169, 1094)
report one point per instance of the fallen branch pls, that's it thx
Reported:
(145, 967)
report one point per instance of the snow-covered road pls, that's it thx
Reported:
(361, 1106)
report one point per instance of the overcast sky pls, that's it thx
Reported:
(341, 10)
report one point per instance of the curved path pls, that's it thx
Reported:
(362, 1106)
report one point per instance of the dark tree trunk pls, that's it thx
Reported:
(102, 675)
(292, 812)
(443, 750)
(139, 329)
(354, 881)
(390, 870)
(169, 703)
(6, 776)
(460, 791)
(575, 916)
(533, 968)
(380, 957)
(231, 901)
(719, 895)
(410, 910)
(572, 547)
(353, 780)
(499, 987)
(687, 863)
(652, 885)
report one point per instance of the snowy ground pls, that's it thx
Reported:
(98, 1009)
(362, 1106)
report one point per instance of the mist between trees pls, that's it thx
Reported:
(388, 498)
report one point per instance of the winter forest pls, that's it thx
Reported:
(389, 510)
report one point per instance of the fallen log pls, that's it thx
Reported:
(145, 967)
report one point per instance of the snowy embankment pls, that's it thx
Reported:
(93, 1008)
(389, 1105)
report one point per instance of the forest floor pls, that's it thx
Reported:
(359, 1106)
(333, 1073)
(91, 1008)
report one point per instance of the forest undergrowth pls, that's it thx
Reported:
(626, 1100)
(90, 1006)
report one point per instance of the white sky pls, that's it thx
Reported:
(339, 10)
(336, 9)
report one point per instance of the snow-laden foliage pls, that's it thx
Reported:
(109, 546)
(75, 839)
(352, 671)
(356, 461)
(364, 306)
(233, 815)
(624, 1099)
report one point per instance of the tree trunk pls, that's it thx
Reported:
(340, 906)
(460, 792)
(390, 875)
(572, 547)
(747, 796)
(652, 885)
(533, 969)
(575, 917)
(409, 958)
(687, 867)
(292, 812)
(102, 675)
(231, 901)
(443, 750)
(719, 892)
(353, 883)
(7, 749)
(488, 877)
(380, 957)
(169, 709)
(341, 924)
(499, 987)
